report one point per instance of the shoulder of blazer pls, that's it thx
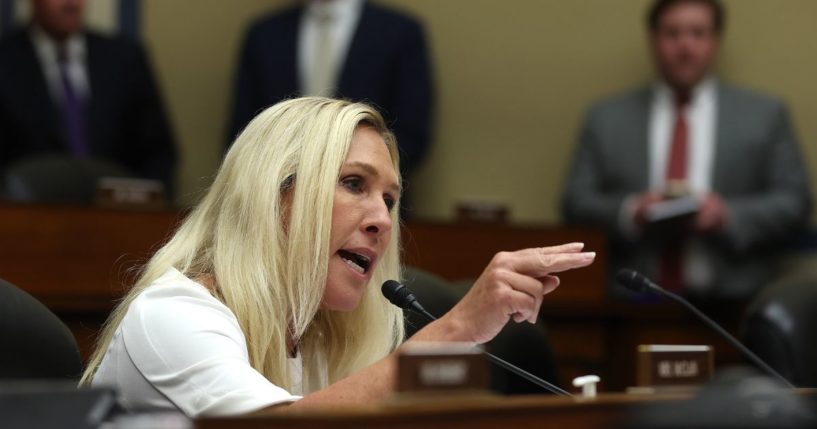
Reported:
(746, 95)
(388, 20)
(13, 38)
(743, 102)
(115, 45)
(277, 23)
(622, 106)
(20, 70)
(15, 45)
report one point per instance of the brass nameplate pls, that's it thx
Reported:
(441, 367)
(674, 365)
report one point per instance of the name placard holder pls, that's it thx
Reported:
(661, 365)
(130, 194)
(441, 367)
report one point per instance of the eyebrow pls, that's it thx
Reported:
(369, 169)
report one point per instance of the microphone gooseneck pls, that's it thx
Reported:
(401, 296)
(638, 282)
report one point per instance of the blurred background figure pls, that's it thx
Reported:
(67, 92)
(340, 48)
(726, 153)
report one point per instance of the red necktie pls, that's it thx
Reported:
(677, 161)
(672, 264)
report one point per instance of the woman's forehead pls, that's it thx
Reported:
(369, 151)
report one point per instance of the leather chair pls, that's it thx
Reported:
(781, 328)
(737, 397)
(35, 343)
(524, 345)
(57, 405)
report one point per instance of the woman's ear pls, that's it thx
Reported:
(288, 183)
(287, 190)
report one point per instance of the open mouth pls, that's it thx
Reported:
(358, 262)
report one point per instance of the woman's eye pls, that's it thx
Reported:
(354, 184)
(390, 202)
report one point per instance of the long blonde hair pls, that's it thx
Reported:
(273, 276)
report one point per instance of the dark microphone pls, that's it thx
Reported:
(399, 295)
(638, 282)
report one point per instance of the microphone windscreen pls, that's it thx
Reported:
(633, 280)
(396, 293)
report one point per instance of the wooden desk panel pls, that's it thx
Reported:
(81, 258)
(605, 411)
(76, 260)
(451, 413)
(535, 412)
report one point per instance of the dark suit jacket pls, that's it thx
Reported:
(126, 120)
(387, 66)
(758, 170)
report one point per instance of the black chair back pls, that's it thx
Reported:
(781, 328)
(58, 179)
(47, 405)
(35, 343)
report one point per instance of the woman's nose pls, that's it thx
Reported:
(378, 220)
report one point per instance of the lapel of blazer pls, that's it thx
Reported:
(101, 88)
(722, 142)
(34, 76)
(357, 49)
(639, 152)
(291, 79)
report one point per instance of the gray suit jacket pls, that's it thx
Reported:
(758, 170)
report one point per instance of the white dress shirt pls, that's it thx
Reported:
(179, 345)
(345, 15)
(47, 49)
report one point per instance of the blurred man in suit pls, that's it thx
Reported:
(340, 48)
(66, 90)
(690, 135)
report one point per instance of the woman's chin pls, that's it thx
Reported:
(344, 287)
(346, 299)
(345, 305)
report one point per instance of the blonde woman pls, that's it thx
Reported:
(268, 293)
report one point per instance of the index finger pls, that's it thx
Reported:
(539, 262)
(562, 248)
